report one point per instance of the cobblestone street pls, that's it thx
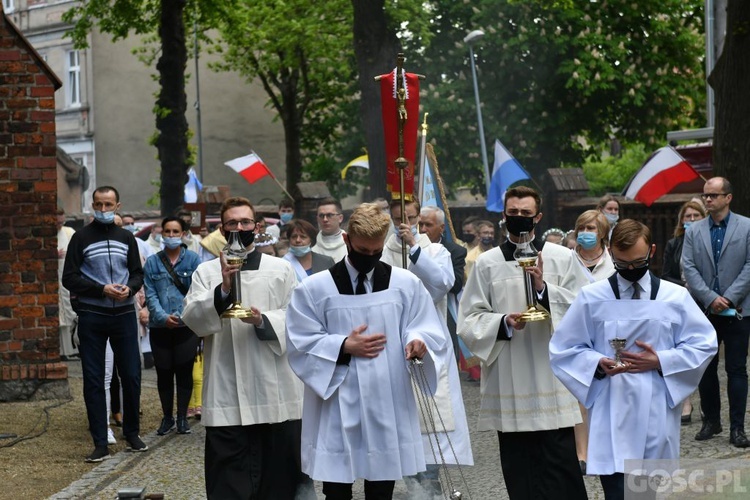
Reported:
(174, 464)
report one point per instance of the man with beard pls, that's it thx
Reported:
(532, 412)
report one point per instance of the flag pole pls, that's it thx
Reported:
(401, 162)
(423, 142)
(440, 187)
(280, 185)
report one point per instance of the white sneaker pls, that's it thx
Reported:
(111, 437)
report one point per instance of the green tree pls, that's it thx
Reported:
(302, 54)
(165, 18)
(556, 77)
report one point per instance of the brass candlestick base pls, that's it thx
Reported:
(236, 311)
(535, 313)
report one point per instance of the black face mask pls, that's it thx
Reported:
(518, 224)
(633, 275)
(247, 238)
(362, 262)
(468, 238)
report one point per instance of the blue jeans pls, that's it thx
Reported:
(734, 333)
(122, 332)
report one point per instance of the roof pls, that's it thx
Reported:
(39, 60)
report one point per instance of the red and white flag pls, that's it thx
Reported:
(251, 167)
(663, 170)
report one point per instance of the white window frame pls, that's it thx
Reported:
(73, 71)
(9, 6)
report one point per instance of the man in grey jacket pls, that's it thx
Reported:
(716, 261)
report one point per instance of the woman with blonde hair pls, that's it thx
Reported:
(591, 235)
(690, 212)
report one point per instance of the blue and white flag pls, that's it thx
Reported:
(506, 171)
(429, 191)
(192, 187)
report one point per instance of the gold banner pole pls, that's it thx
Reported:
(401, 162)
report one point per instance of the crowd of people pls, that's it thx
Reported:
(355, 334)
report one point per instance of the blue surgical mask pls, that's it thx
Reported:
(104, 217)
(286, 217)
(299, 251)
(414, 230)
(612, 218)
(587, 240)
(172, 242)
(157, 238)
(686, 224)
(130, 227)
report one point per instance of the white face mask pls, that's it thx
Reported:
(612, 218)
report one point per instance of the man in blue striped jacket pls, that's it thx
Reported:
(103, 272)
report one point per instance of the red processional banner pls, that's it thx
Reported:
(391, 113)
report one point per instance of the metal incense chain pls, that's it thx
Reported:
(428, 409)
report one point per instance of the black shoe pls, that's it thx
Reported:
(182, 426)
(100, 453)
(167, 424)
(709, 430)
(686, 419)
(582, 464)
(135, 444)
(737, 438)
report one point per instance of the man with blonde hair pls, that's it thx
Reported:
(351, 332)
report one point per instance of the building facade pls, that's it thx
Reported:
(104, 111)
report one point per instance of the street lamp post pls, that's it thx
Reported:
(470, 40)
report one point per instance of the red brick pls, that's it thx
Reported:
(10, 55)
(26, 174)
(43, 116)
(9, 323)
(41, 162)
(42, 91)
(41, 187)
(36, 138)
(29, 312)
(9, 301)
(22, 103)
(46, 299)
(42, 80)
(56, 371)
(29, 288)
(6, 372)
(32, 68)
(47, 127)
(47, 103)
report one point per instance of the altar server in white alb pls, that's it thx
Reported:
(252, 402)
(351, 333)
(432, 264)
(634, 409)
(522, 400)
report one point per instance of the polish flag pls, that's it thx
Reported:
(251, 167)
(664, 170)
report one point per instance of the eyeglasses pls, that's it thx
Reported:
(712, 196)
(231, 225)
(412, 219)
(327, 216)
(634, 264)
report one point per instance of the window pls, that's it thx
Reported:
(73, 94)
(8, 6)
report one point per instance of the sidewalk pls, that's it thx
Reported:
(174, 463)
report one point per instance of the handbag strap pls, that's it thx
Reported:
(176, 279)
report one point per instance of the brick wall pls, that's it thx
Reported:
(29, 351)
